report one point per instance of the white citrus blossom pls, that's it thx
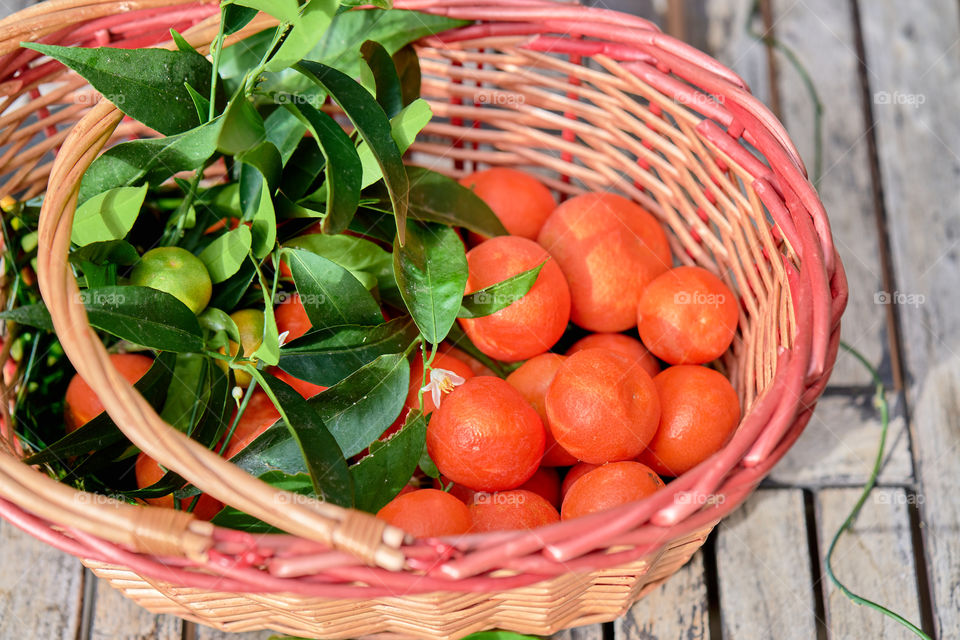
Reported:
(441, 381)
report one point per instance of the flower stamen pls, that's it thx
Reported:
(442, 381)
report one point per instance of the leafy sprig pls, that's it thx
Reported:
(255, 175)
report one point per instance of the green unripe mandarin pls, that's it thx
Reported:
(250, 325)
(175, 271)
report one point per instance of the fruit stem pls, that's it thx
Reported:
(462, 342)
(412, 346)
(240, 410)
(193, 503)
(256, 375)
(180, 215)
(172, 233)
(880, 401)
(426, 369)
(250, 81)
(216, 49)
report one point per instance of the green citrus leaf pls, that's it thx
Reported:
(338, 47)
(242, 127)
(393, 29)
(187, 388)
(500, 295)
(330, 294)
(436, 198)
(358, 409)
(368, 263)
(118, 252)
(265, 157)
(215, 321)
(375, 224)
(407, 63)
(107, 216)
(30, 315)
(230, 292)
(431, 269)
(385, 76)
(300, 175)
(200, 103)
(181, 42)
(269, 349)
(260, 172)
(321, 454)
(264, 225)
(216, 409)
(224, 256)
(146, 84)
(373, 126)
(314, 19)
(380, 476)
(329, 355)
(150, 160)
(95, 275)
(283, 10)
(342, 168)
(285, 131)
(143, 316)
(404, 127)
(236, 17)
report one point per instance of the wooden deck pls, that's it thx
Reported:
(889, 79)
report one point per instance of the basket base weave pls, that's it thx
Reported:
(565, 601)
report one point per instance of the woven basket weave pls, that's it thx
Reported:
(590, 99)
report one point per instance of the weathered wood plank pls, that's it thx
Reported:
(696, 23)
(873, 559)
(677, 610)
(821, 33)
(208, 633)
(839, 445)
(652, 10)
(912, 60)
(587, 632)
(116, 617)
(12, 6)
(764, 570)
(41, 589)
(729, 42)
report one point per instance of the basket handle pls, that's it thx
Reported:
(152, 530)
(362, 535)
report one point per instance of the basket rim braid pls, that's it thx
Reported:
(332, 552)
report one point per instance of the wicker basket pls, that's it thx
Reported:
(593, 100)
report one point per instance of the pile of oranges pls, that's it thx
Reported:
(609, 391)
(626, 405)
